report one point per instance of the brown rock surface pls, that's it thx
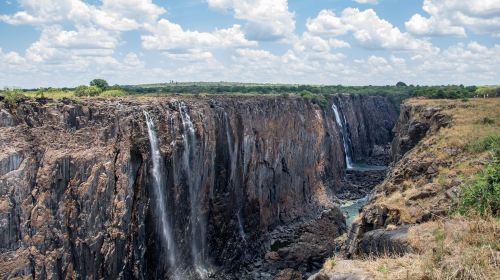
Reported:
(75, 183)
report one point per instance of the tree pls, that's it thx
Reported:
(401, 84)
(100, 83)
(87, 91)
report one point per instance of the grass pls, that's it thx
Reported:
(486, 143)
(459, 152)
(483, 195)
(54, 94)
(113, 93)
(461, 248)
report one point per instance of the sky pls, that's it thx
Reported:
(65, 43)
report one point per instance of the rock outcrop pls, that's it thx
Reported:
(76, 197)
(382, 225)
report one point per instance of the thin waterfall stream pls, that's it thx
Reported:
(159, 201)
(345, 137)
(197, 232)
(232, 149)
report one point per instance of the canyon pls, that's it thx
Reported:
(222, 187)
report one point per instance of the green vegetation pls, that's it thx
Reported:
(99, 83)
(87, 91)
(483, 195)
(316, 93)
(113, 93)
(488, 143)
(401, 90)
(11, 97)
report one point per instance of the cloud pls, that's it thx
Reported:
(367, 1)
(327, 23)
(367, 28)
(454, 17)
(193, 55)
(113, 14)
(266, 20)
(472, 63)
(170, 36)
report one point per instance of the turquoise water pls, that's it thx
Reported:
(351, 209)
(366, 167)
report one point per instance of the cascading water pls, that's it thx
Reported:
(160, 205)
(233, 147)
(345, 137)
(197, 226)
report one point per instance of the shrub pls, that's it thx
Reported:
(12, 97)
(306, 94)
(488, 143)
(487, 120)
(87, 91)
(483, 196)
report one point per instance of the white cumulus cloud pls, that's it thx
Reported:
(170, 36)
(455, 17)
(266, 20)
(367, 28)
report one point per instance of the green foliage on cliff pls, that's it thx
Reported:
(488, 143)
(483, 195)
(12, 96)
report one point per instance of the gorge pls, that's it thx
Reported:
(184, 187)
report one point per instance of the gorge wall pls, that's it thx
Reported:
(79, 197)
(410, 194)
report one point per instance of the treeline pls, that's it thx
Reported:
(401, 90)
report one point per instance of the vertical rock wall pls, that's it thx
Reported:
(75, 182)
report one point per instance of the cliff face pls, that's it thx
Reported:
(409, 194)
(77, 181)
(370, 122)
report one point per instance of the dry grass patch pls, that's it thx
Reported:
(457, 248)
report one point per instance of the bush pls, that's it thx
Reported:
(12, 97)
(488, 143)
(306, 94)
(87, 91)
(483, 196)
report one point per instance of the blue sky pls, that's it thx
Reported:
(353, 42)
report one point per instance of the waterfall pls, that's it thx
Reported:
(160, 203)
(240, 226)
(345, 136)
(233, 148)
(197, 227)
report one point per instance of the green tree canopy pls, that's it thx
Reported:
(87, 91)
(100, 83)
